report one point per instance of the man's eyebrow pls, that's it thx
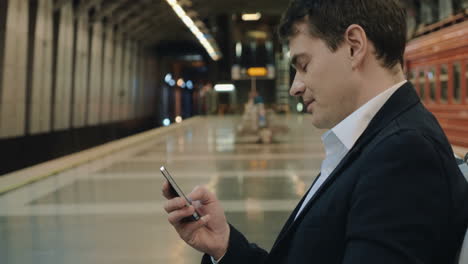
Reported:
(297, 57)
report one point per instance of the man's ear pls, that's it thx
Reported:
(356, 38)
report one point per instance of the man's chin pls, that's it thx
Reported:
(318, 123)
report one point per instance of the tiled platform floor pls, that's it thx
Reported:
(110, 210)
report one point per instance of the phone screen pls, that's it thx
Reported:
(177, 192)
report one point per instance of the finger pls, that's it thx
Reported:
(197, 204)
(166, 190)
(174, 204)
(176, 217)
(186, 232)
(202, 194)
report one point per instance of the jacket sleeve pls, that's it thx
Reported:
(400, 205)
(240, 251)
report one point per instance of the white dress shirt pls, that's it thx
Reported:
(341, 138)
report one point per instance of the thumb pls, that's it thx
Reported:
(202, 194)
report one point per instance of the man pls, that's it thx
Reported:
(389, 190)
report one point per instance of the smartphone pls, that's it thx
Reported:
(177, 192)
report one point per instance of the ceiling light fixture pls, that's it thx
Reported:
(206, 40)
(189, 85)
(227, 87)
(257, 71)
(251, 17)
(181, 83)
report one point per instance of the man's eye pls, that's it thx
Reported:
(304, 68)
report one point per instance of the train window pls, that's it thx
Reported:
(443, 83)
(456, 82)
(466, 81)
(411, 76)
(431, 76)
(421, 82)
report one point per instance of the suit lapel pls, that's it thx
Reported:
(352, 155)
(291, 218)
(399, 102)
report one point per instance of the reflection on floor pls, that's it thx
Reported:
(110, 210)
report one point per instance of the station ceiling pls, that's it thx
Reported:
(152, 21)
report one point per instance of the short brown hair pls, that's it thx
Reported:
(384, 22)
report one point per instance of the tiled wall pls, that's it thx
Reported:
(63, 77)
(118, 78)
(127, 58)
(95, 74)
(81, 72)
(13, 97)
(42, 70)
(108, 74)
(76, 81)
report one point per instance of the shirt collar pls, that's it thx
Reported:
(332, 143)
(351, 128)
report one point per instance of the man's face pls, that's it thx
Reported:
(323, 78)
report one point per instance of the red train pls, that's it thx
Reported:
(437, 64)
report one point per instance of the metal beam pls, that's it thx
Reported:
(151, 40)
(149, 33)
(168, 36)
(121, 16)
(138, 22)
(85, 6)
(185, 3)
(59, 3)
(140, 29)
(140, 18)
(108, 9)
(145, 32)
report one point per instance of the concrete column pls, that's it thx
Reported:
(117, 80)
(126, 79)
(428, 11)
(108, 67)
(144, 81)
(81, 72)
(177, 70)
(3, 22)
(155, 86)
(134, 81)
(445, 8)
(283, 79)
(147, 85)
(129, 99)
(95, 75)
(13, 86)
(141, 83)
(129, 92)
(63, 77)
(42, 69)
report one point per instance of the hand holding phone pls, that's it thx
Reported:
(210, 233)
(177, 192)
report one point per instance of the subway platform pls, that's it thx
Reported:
(104, 205)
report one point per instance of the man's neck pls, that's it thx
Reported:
(378, 81)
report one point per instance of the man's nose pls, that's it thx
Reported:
(297, 88)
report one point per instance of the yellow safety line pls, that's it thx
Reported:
(42, 177)
(65, 168)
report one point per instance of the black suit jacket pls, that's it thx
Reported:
(397, 197)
